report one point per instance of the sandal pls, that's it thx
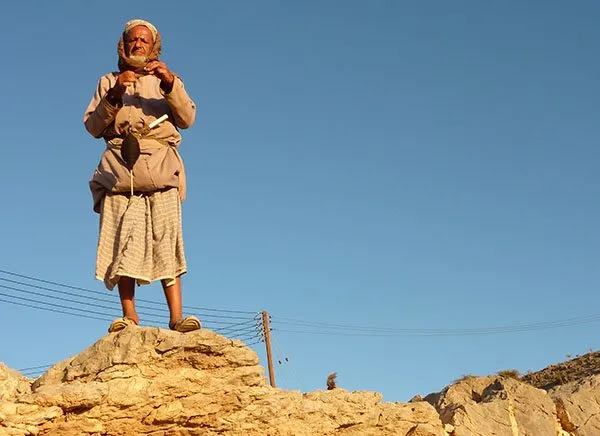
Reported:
(120, 323)
(187, 324)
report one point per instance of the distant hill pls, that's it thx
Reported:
(565, 372)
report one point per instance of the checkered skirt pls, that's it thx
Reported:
(140, 237)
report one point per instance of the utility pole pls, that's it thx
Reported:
(267, 332)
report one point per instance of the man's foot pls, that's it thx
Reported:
(187, 324)
(120, 323)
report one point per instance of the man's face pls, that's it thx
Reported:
(138, 42)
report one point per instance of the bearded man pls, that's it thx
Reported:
(139, 198)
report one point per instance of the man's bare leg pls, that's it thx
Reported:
(173, 296)
(126, 293)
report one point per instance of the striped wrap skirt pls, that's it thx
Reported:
(140, 237)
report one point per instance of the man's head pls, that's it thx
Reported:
(139, 43)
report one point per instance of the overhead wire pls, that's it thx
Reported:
(284, 360)
(34, 367)
(54, 297)
(254, 343)
(252, 324)
(323, 328)
(63, 285)
(244, 325)
(56, 307)
(116, 309)
(215, 318)
(219, 318)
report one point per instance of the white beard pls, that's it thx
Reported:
(138, 61)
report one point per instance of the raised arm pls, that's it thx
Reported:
(182, 106)
(106, 102)
(100, 113)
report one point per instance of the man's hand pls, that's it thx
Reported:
(160, 70)
(116, 93)
(125, 79)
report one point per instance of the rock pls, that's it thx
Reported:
(578, 406)
(159, 382)
(416, 399)
(574, 369)
(496, 406)
(12, 383)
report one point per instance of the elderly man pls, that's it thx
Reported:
(139, 198)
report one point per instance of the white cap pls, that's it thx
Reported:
(138, 22)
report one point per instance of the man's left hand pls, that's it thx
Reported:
(160, 70)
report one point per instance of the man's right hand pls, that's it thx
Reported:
(125, 79)
(116, 93)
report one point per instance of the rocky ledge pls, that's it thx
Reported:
(150, 381)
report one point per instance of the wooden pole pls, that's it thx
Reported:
(267, 331)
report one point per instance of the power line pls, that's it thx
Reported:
(55, 307)
(253, 323)
(217, 319)
(29, 292)
(247, 338)
(52, 290)
(255, 342)
(149, 320)
(34, 371)
(284, 361)
(213, 313)
(34, 367)
(323, 328)
(114, 308)
(63, 285)
(281, 324)
(237, 324)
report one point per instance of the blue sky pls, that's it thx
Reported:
(383, 164)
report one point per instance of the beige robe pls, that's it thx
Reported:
(160, 166)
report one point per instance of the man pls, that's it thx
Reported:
(139, 201)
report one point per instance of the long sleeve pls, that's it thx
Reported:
(160, 165)
(100, 113)
(182, 106)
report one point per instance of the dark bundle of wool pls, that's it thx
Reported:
(130, 150)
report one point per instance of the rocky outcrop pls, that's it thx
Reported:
(496, 406)
(578, 405)
(574, 369)
(150, 381)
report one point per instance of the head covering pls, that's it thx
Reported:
(126, 63)
(139, 22)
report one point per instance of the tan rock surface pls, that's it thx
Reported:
(496, 406)
(12, 383)
(150, 381)
(578, 406)
(158, 382)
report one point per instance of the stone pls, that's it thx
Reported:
(159, 382)
(578, 406)
(153, 381)
(496, 406)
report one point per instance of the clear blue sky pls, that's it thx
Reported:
(387, 164)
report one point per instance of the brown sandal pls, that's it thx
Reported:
(120, 323)
(187, 324)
